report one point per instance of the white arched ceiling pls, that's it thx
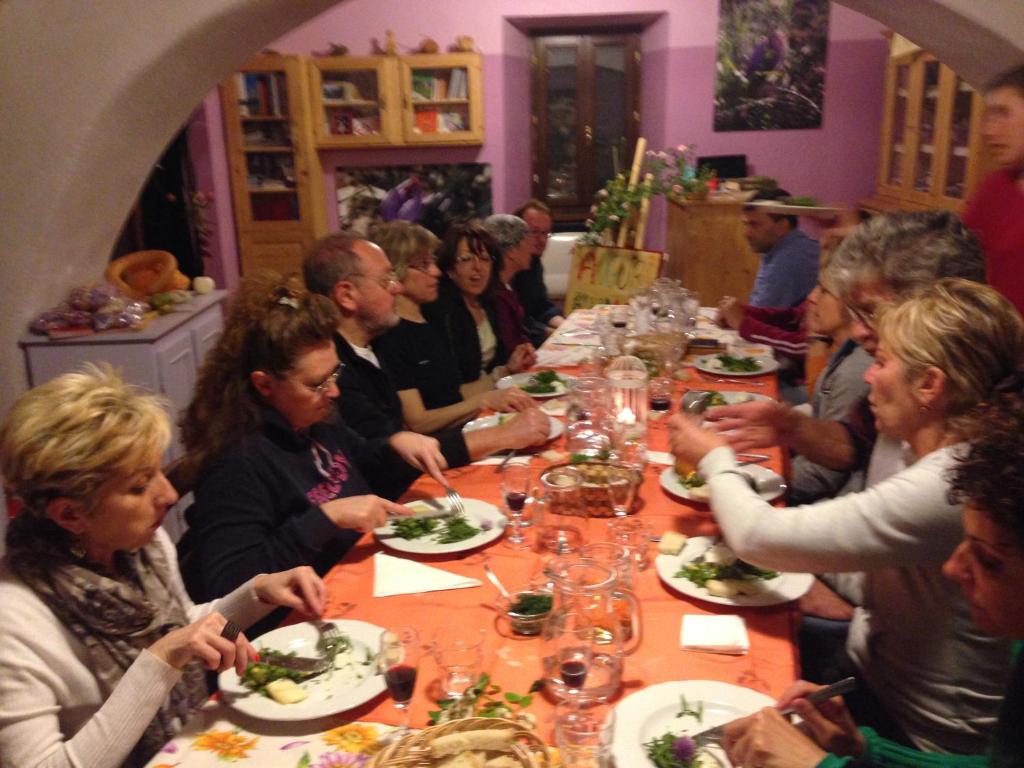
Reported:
(977, 39)
(90, 92)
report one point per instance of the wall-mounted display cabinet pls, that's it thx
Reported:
(275, 174)
(420, 99)
(932, 153)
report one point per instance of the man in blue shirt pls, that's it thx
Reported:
(789, 258)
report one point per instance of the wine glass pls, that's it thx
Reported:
(398, 660)
(622, 485)
(570, 654)
(515, 488)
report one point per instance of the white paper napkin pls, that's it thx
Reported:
(398, 576)
(575, 355)
(715, 634)
(661, 457)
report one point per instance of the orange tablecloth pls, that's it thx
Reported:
(515, 662)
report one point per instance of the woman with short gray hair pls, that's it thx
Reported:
(510, 233)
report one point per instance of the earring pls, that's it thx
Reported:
(76, 549)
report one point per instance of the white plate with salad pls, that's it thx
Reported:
(708, 570)
(769, 485)
(659, 714)
(353, 679)
(539, 384)
(724, 364)
(433, 528)
(555, 427)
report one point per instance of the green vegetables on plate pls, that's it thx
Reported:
(701, 572)
(447, 529)
(739, 364)
(543, 383)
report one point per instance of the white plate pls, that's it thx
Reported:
(773, 483)
(711, 364)
(814, 211)
(523, 379)
(786, 587)
(352, 683)
(651, 712)
(734, 398)
(477, 513)
(555, 427)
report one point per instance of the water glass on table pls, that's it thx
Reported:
(583, 733)
(515, 489)
(570, 639)
(398, 659)
(459, 655)
(622, 482)
(634, 534)
(560, 505)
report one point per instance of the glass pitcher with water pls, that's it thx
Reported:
(581, 586)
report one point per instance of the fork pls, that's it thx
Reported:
(455, 500)
(711, 736)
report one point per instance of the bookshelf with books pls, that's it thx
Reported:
(443, 99)
(278, 198)
(355, 101)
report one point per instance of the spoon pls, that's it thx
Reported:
(493, 578)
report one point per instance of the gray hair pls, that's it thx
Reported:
(330, 260)
(506, 229)
(906, 251)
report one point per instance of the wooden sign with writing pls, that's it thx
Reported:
(602, 275)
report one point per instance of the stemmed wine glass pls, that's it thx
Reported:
(515, 488)
(398, 660)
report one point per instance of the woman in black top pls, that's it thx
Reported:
(433, 393)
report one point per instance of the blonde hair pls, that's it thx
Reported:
(403, 242)
(968, 331)
(72, 434)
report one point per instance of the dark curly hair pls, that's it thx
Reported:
(478, 239)
(989, 476)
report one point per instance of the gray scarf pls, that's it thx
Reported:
(114, 616)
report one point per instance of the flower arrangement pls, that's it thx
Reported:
(673, 173)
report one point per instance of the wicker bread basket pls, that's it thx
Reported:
(413, 751)
(595, 501)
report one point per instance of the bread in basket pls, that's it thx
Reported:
(502, 744)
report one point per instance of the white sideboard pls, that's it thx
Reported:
(164, 357)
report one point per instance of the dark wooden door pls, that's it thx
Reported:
(586, 116)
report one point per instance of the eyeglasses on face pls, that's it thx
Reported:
(423, 265)
(867, 317)
(323, 386)
(466, 258)
(385, 281)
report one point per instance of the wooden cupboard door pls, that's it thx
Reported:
(282, 254)
(442, 98)
(354, 101)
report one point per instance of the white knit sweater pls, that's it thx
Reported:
(912, 638)
(52, 711)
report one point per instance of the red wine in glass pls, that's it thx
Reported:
(515, 501)
(660, 403)
(401, 681)
(574, 673)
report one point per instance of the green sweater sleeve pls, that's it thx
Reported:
(882, 752)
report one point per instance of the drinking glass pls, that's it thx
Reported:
(659, 391)
(634, 534)
(583, 733)
(459, 655)
(398, 660)
(569, 653)
(622, 484)
(515, 489)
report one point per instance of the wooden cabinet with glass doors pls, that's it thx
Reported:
(932, 153)
(275, 176)
(420, 99)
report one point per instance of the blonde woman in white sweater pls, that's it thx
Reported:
(101, 651)
(940, 353)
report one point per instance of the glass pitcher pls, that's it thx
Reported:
(585, 587)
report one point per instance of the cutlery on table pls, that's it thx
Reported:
(493, 578)
(714, 735)
(455, 500)
(506, 460)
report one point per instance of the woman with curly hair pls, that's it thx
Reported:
(279, 480)
(101, 650)
(930, 676)
(988, 565)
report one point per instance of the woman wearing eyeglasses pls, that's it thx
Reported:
(471, 262)
(416, 353)
(280, 482)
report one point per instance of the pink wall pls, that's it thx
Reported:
(836, 163)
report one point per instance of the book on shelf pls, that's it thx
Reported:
(457, 88)
(426, 121)
(422, 86)
(440, 88)
(451, 122)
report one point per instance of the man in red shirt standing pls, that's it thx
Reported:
(995, 212)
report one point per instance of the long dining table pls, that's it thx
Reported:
(513, 661)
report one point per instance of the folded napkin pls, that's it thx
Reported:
(398, 576)
(575, 355)
(715, 634)
(661, 457)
